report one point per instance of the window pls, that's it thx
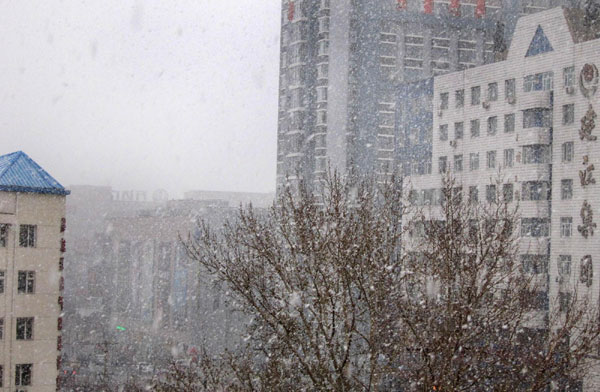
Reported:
(322, 71)
(507, 192)
(474, 161)
(568, 114)
(510, 89)
(4, 235)
(491, 159)
(492, 125)
(24, 328)
(566, 226)
(535, 264)
(535, 227)
(321, 94)
(442, 164)
(490, 193)
(324, 24)
(1, 329)
(536, 153)
(475, 95)
(492, 92)
(444, 97)
(537, 118)
(569, 76)
(458, 163)
(2, 282)
(538, 82)
(23, 374)
(323, 47)
(567, 152)
(564, 300)
(459, 130)
(564, 265)
(535, 191)
(444, 132)
(473, 194)
(459, 97)
(509, 123)
(474, 128)
(509, 157)
(566, 189)
(26, 282)
(27, 236)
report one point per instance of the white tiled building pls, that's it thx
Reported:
(525, 127)
(32, 211)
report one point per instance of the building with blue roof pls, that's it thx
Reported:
(32, 247)
(19, 173)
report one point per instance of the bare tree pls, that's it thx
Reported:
(358, 290)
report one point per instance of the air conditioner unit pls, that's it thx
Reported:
(440, 113)
(453, 143)
(512, 100)
(485, 104)
(570, 90)
(560, 279)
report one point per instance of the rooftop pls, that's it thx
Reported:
(19, 173)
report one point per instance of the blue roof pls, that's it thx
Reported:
(19, 173)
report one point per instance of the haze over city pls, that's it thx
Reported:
(143, 94)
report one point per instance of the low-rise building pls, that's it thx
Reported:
(32, 225)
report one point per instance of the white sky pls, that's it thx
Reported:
(143, 94)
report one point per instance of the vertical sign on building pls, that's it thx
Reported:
(401, 4)
(455, 7)
(428, 6)
(291, 10)
(480, 10)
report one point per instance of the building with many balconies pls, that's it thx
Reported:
(524, 128)
(344, 62)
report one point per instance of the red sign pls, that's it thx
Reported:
(428, 6)
(455, 7)
(480, 10)
(291, 10)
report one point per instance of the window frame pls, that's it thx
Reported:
(24, 328)
(27, 236)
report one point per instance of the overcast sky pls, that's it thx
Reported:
(143, 94)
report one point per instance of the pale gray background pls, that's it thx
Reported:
(142, 94)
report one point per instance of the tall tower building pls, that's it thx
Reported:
(344, 61)
(32, 225)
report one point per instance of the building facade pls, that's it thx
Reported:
(342, 64)
(524, 129)
(32, 225)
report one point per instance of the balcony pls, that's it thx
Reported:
(534, 135)
(535, 99)
(533, 208)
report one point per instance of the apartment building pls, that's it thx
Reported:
(342, 64)
(32, 225)
(525, 128)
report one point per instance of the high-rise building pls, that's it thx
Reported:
(343, 62)
(32, 225)
(523, 131)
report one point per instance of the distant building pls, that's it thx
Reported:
(132, 294)
(32, 224)
(524, 129)
(343, 61)
(233, 199)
